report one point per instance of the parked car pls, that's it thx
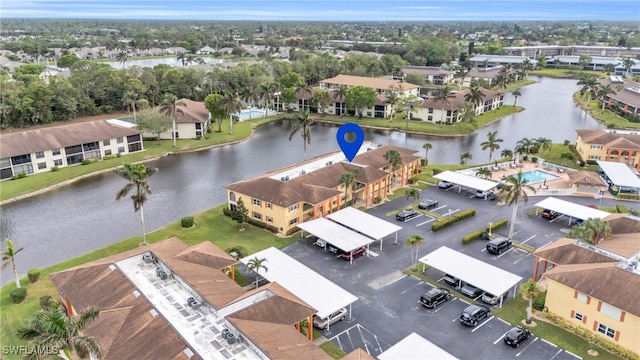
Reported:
(331, 319)
(407, 214)
(549, 214)
(488, 194)
(491, 299)
(578, 222)
(428, 204)
(355, 254)
(445, 184)
(435, 297)
(516, 336)
(499, 245)
(321, 243)
(470, 291)
(474, 313)
(453, 281)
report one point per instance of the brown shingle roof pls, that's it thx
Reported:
(192, 112)
(626, 245)
(374, 83)
(564, 251)
(588, 178)
(603, 137)
(281, 308)
(206, 254)
(55, 137)
(358, 354)
(375, 158)
(622, 224)
(281, 193)
(598, 280)
(279, 341)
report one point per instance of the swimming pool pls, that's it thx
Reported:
(536, 176)
(250, 113)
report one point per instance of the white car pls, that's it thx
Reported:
(445, 184)
(321, 243)
(331, 319)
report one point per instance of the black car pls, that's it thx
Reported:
(516, 336)
(428, 204)
(499, 245)
(474, 313)
(453, 281)
(471, 291)
(435, 297)
(405, 215)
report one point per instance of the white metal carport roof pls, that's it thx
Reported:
(343, 238)
(620, 174)
(573, 210)
(415, 346)
(473, 271)
(466, 180)
(364, 223)
(308, 285)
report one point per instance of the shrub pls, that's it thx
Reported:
(620, 208)
(226, 212)
(525, 157)
(19, 176)
(628, 197)
(412, 180)
(591, 162)
(18, 295)
(109, 157)
(293, 230)
(498, 224)
(86, 162)
(241, 251)
(55, 168)
(445, 223)
(34, 275)
(118, 154)
(436, 171)
(469, 238)
(47, 302)
(377, 200)
(538, 301)
(534, 159)
(424, 162)
(187, 221)
(566, 142)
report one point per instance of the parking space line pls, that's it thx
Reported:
(350, 340)
(504, 321)
(339, 343)
(545, 245)
(500, 338)
(417, 216)
(506, 252)
(550, 343)
(456, 319)
(414, 286)
(483, 249)
(556, 354)
(426, 222)
(570, 353)
(522, 258)
(554, 220)
(438, 208)
(366, 348)
(531, 237)
(377, 342)
(526, 347)
(344, 331)
(445, 303)
(398, 279)
(479, 326)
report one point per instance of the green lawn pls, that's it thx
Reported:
(607, 117)
(565, 73)
(333, 350)
(211, 225)
(12, 188)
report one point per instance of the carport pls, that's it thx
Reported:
(472, 271)
(415, 346)
(472, 182)
(364, 223)
(620, 174)
(313, 288)
(572, 210)
(343, 238)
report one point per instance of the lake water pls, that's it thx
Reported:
(174, 62)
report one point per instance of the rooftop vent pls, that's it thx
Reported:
(112, 267)
(284, 178)
(302, 172)
(153, 312)
(328, 163)
(136, 293)
(188, 352)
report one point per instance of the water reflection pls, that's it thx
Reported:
(173, 62)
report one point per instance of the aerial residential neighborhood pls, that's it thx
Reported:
(320, 186)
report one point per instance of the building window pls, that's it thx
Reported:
(42, 166)
(120, 140)
(232, 196)
(578, 316)
(610, 311)
(121, 149)
(269, 219)
(268, 205)
(56, 151)
(256, 202)
(606, 330)
(293, 207)
(594, 157)
(293, 221)
(57, 162)
(257, 216)
(107, 152)
(39, 154)
(582, 297)
(106, 142)
(596, 146)
(430, 111)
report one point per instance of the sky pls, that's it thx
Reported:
(325, 10)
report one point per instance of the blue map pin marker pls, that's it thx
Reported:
(350, 147)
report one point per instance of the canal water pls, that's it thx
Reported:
(84, 216)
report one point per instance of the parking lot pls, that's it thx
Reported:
(388, 308)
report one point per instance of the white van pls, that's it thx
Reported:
(331, 319)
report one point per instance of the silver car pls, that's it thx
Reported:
(331, 319)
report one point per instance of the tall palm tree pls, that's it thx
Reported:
(137, 176)
(250, 94)
(484, 172)
(171, 108)
(182, 57)
(515, 191)
(588, 83)
(426, 146)
(340, 94)
(9, 258)
(544, 144)
(303, 124)
(506, 153)
(123, 56)
(443, 95)
(303, 89)
(55, 329)
(394, 159)
(256, 264)
(515, 94)
(265, 92)
(492, 143)
(129, 99)
(602, 92)
(348, 178)
(391, 99)
(414, 241)
(231, 105)
(474, 96)
(464, 157)
(412, 194)
(529, 289)
(628, 63)
(461, 73)
(526, 144)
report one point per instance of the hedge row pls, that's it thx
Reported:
(470, 237)
(498, 224)
(253, 222)
(628, 197)
(621, 209)
(445, 223)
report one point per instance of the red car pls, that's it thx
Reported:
(354, 254)
(549, 214)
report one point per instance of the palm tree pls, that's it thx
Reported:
(484, 172)
(137, 176)
(340, 93)
(265, 92)
(231, 105)
(465, 157)
(588, 84)
(474, 96)
(9, 258)
(256, 264)
(529, 289)
(426, 146)
(515, 94)
(602, 92)
(598, 229)
(130, 99)
(414, 241)
(303, 124)
(171, 108)
(53, 329)
(303, 89)
(182, 57)
(527, 66)
(348, 178)
(250, 94)
(467, 113)
(628, 63)
(515, 191)
(506, 153)
(391, 99)
(492, 143)
(544, 144)
(123, 56)
(461, 73)
(443, 95)
(526, 144)
(394, 159)
(412, 194)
